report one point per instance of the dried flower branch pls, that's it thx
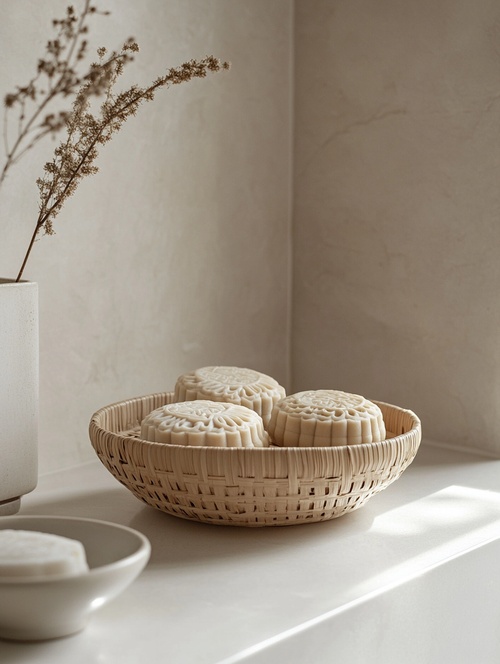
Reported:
(74, 158)
(56, 78)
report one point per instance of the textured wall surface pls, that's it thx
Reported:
(176, 255)
(396, 194)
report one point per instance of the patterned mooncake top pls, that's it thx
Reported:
(204, 422)
(328, 404)
(246, 387)
(324, 418)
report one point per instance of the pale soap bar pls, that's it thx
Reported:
(28, 553)
(325, 418)
(237, 385)
(205, 423)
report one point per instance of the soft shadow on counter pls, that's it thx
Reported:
(12, 652)
(116, 504)
(73, 649)
(175, 540)
(433, 454)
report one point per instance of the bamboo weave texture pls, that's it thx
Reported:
(250, 487)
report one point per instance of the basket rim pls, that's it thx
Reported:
(416, 428)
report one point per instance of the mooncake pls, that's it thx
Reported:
(28, 553)
(205, 423)
(325, 418)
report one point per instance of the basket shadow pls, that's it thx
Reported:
(177, 541)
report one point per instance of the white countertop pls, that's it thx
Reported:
(221, 595)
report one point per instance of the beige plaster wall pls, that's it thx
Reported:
(176, 255)
(396, 202)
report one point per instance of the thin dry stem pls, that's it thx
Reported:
(74, 158)
(56, 77)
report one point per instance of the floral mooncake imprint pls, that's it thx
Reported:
(245, 387)
(325, 418)
(205, 423)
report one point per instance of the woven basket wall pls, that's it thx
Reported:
(249, 487)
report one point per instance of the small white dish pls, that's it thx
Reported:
(39, 608)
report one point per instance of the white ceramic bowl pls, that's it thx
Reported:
(39, 608)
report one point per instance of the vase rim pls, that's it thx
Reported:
(13, 282)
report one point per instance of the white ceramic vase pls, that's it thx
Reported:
(18, 392)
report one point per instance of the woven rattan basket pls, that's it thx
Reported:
(250, 487)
